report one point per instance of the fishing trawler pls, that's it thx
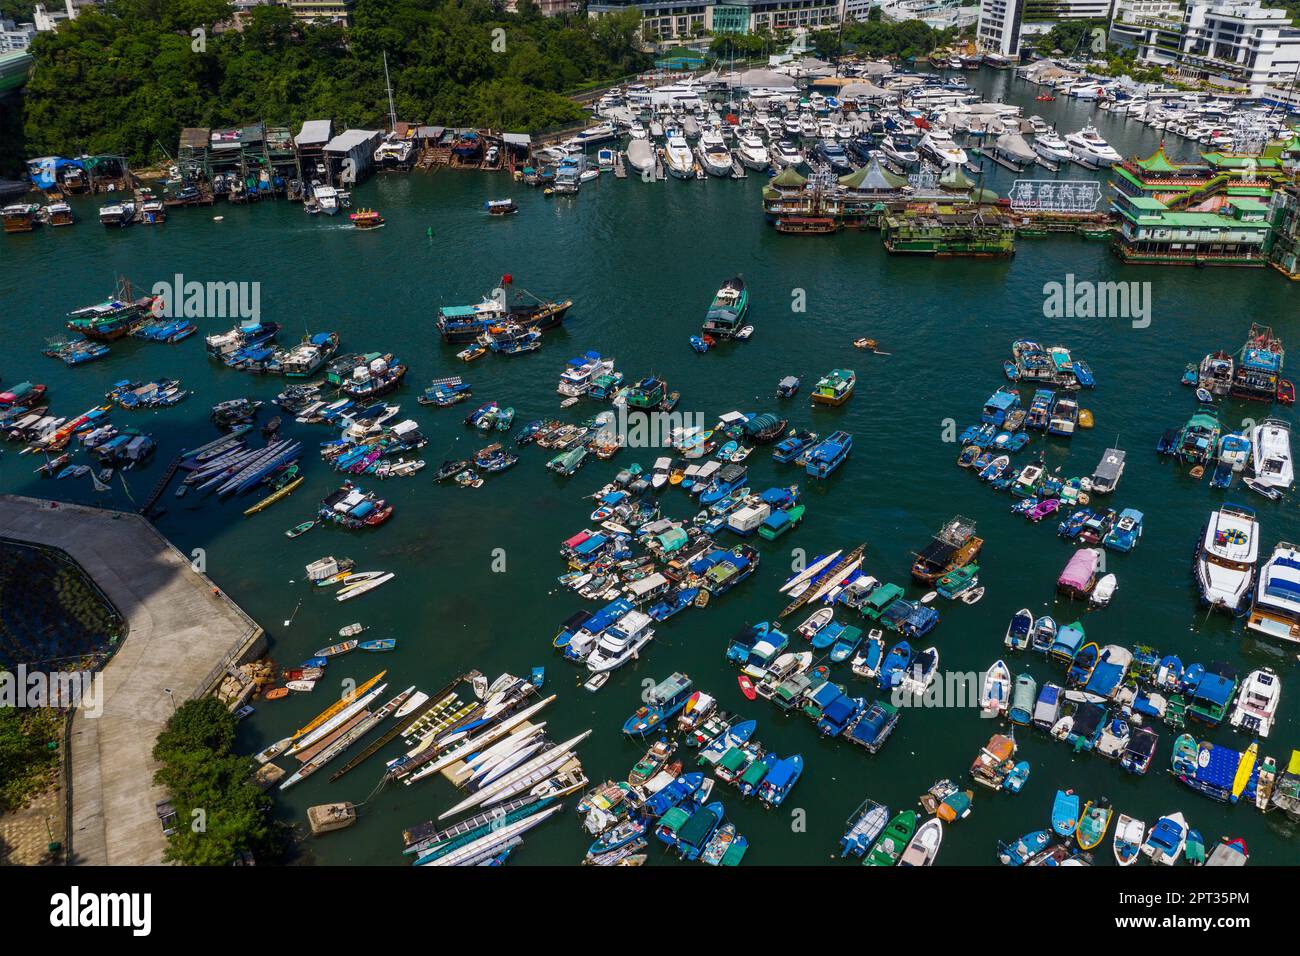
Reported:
(113, 318)
(465, 323)
(726, 316)
(835, 388)
(953, 547)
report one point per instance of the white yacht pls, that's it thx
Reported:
(899, 151)
(1225, 560)
(641, 156)
(1088, 146)
(785, 153)
(578, 375)
(678, 157)
(1276, 611)
(592, 135)
(1256, 708)
(621, 642)
(939, 144)
(637, 130)
(807, 125)
(713, 152)
(752, 152)
(1270, 453)
(1052, 147)
(790, 124)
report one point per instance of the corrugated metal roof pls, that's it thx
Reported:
(349, 139)
(314, 133)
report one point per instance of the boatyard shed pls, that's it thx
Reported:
(350, 155)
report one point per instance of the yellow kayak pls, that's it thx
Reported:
(274, 497)
(1244, 769)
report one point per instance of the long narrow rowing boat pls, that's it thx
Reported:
(834, 575)
(494, 839)
(366, 724)
(275, 496)
(357, 704)
(470, 745)
(809, 572)
(334, 708)
(504, 788)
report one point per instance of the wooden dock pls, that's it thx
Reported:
(620, 169)
(161, 486)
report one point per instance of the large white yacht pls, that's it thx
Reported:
(714, 155)
(752, 152)
(939, 144)
(1088, 146)
(1276, 611)
(1052, 147)
(1225, 560)
(678, 157)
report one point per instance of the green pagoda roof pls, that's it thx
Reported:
(1157, 162)
(873, 178)
(953, 178)
(788, 177)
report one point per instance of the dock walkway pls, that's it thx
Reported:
(182, 633)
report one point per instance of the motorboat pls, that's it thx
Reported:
(1276, 611)
(1225, 560)
(678, 158)
(786, 153)
(940, 146)
(1270, 453)
(713, 152)
(1052, 147)
(1257, 702)
(753, 152)
(1088, 146)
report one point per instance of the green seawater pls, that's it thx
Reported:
(641, 262)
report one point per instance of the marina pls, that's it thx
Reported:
(673, 569)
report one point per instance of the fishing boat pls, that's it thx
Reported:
(864, 825)
(924, 845)
(788, 386)
(1065, 813)
(1017, 778)
(1228, 852)
(995, 691)
(828, 455)
(1127, 843)
(726, 315)
(835, 388)
(1166, 840)
(507, 304)
(1093, 823)
(1023, 700)
(1024, 849)
(1019, 631)
(893, 841)
(780, 780)
(663, 702)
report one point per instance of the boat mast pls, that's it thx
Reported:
(392, 113)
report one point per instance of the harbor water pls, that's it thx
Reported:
(476, 570)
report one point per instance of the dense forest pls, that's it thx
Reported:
(127, 79)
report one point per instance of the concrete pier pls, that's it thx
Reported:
(182, 634)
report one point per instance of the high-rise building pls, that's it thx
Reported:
(998, 30)
(1240, 41)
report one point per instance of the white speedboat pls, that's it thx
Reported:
(940, 145)
(659, 475)
(1270, 454)
(1088, 146)
(1052, 147)
(785, 153)
(1225, 560)
(753, 152)
(637, 130)
(678, 158)
(713, 152)
(1257, 703)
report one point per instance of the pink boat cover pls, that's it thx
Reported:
(1079, 571)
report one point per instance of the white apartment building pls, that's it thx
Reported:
(998, 29)
(15, 37)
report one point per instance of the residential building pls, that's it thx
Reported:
(320, 11)
(684, 19)
(15, 37)
(1152, 28)
(998, 29)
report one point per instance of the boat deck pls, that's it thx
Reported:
(182, 632)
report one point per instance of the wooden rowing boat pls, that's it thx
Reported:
(274, 497)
